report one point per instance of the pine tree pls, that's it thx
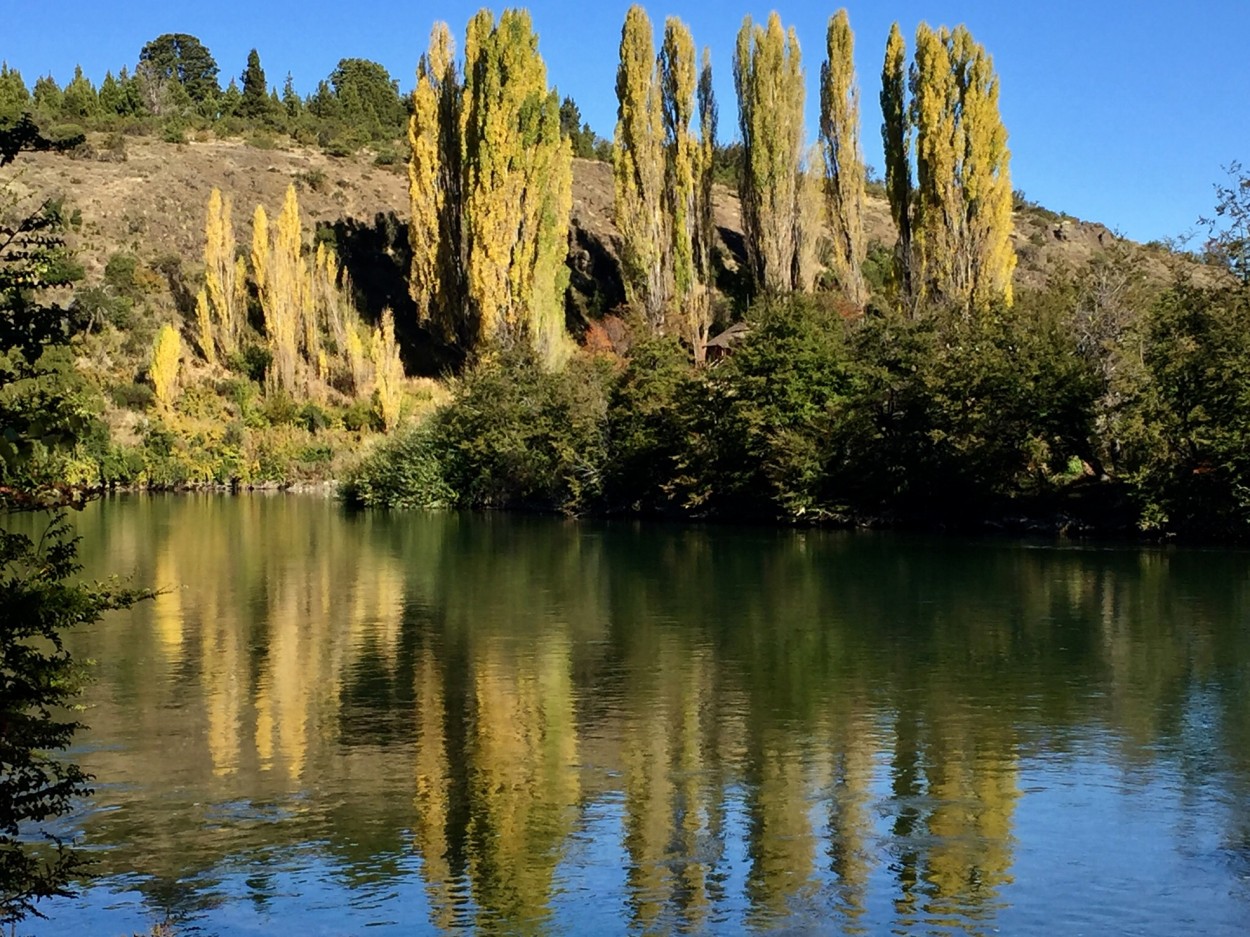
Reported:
(254, 103)
(14, 97)
(111, 96)
(768, 77)
(638, 169)
(292, 103)
(79, 100)
(844, 163)
(896, 138)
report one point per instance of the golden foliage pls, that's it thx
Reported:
(226, 290)
(166, 358)
(639, 170)
(844, 162)
(388, 392)
(768, 77)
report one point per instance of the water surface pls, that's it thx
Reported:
(338, 724)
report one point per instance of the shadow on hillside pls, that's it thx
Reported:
(378, 257)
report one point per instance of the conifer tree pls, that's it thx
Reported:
(14, 96)
(79, 100)
(111, 96)
(254, 103)
(768, 77)
(638, 169)
(844, 163)
(896, 139)
(516, 188)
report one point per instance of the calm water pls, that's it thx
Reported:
(337, 724)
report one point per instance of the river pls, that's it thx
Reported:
(437, 723)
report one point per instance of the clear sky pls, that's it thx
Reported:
(1119, 111)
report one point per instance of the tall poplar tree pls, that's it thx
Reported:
(638, 169)
(896, 139)
(434, 186)
(678, 79)
(705, 220)
(844, 162)
(768, 77)
(959, 214)
(517, 188)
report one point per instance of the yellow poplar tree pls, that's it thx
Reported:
(678, 79)
(389, 370)
(434, 189)
(961, 226)
(225, 292)
(284, 291)
(163, 369)
(639, 169)
(517, 186)
(768, 77)
(844, 162)
(204, 327)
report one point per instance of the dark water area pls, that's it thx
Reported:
(443, 723)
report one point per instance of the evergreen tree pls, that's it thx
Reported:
(638, 169)
(254, 103)
(183, 59)
(768, 77)
(111, 97)
(579, 133)
(14, 97)
(47, 96)
(368, 98)
(231, 100)
(844, 163)
(79, 101)
(292, 103)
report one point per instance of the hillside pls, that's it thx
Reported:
(152, 204)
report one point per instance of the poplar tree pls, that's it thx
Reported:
(896, 139)
(705, 220)
(960, 211)
(844, 163)
(436, 277)
(517, 189)
(226, 290)
(638, 169)
(678, 78)
(768, 77)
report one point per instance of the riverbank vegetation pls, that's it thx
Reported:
(902, 378)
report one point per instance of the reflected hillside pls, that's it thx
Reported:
(690, 729)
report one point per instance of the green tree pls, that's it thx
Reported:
(180, 58)
(292, 103)
(47, 97)
(14, 96)
(368, 99)
(254, 103)
(578, 132)
(39, 599)
(79, 101)
(111, 96)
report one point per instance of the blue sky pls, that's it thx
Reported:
(1119, 111)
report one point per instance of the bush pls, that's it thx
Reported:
(406, 472)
